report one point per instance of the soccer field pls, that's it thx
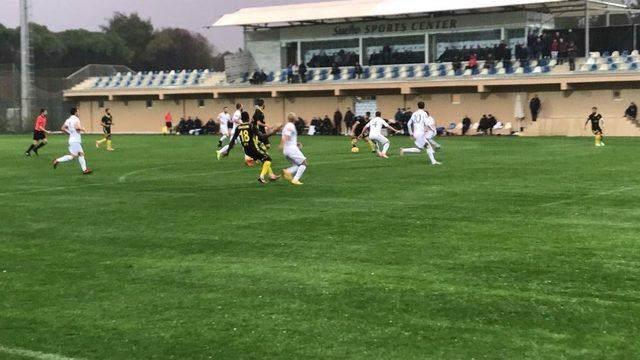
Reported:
(514, 248)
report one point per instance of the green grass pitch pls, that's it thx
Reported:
(514, 248)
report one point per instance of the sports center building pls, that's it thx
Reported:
(403, 47)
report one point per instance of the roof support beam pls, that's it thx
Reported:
(483, 89)
(407, 90)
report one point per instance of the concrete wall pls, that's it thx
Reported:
(563, 113)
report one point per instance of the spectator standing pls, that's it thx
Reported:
(473, 62)
(562, 51)
(358, 71)
(572, 53)
(337, 121)
(302, 70)
(632, 112)
(554, 49)
(349, 119)
(290, 74)
(535, 105)
(168, 122)
(466, 124)
(335, 71)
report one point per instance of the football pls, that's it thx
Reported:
(355, 150)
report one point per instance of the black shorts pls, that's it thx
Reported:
(106, 131)
(358, 131)
(168, 124)
(39, 135)
(257, 154)
(596, 129)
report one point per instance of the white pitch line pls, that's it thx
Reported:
(124, 177)
(33, 354)
(609, 192)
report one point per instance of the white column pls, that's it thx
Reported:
(587, 26)
(299, 53)
(361, 47)
(426, 48)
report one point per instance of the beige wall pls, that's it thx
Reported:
(563, 113)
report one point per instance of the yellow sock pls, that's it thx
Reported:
(372, 146)
(101, 141)
(598, 139)
(109, 143)
(266, 169)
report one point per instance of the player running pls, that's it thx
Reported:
(374, 127)
(291, 150)
(73, 127)
(106, 123)
(39, 133)
(224, 119)
(253, 143)
(418, 127)
(359, 133)
(432, 132)
(258, 119)
(596, 125)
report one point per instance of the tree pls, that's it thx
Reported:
(173, 48)
(9, 45)
(48, 50)
(134, 31)
(85, 47)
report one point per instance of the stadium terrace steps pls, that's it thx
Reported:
(181, 78)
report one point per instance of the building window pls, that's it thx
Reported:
(101, 104)
(455, 99)
(394, 50)
(149, 104)
(325, 53)
(200, 102)
(448, 47)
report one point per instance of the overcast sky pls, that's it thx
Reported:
(90, 14)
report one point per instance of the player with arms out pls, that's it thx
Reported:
(596, 125)
(252, 141)
(106, 123)
(39, 133)
(418, 126)
(291, 150)
(359, 133)
(224, 119)
(74, 129)
(374, 127)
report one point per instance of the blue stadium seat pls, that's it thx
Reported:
(613, 67)
(633, 66)
(458, 72)
(629, 59)
(593, 67)
(606, 54)
(323, 74)
(509, 70)
(625, 53)
(352, 74)
(366, 73)
(310, 74)
(411, 73)
(442, 67)
(493, 70)
(546, 69)
(395, 72)
(271, 77)
(475, 71)
(527, 70)
(610, 60)
(426, 71)
(442, 72)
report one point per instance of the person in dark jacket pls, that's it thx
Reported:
(466, 124)
(337, 122)
(534, 106)
(632, 112)
(349, 119)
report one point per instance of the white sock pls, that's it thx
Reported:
(223, 138)
(293, 169)
(385, 148)
(411, 150)
(300, 171)
(83, 163)
(64, 158)
(431, 157)
(435, 143)
(224, 149)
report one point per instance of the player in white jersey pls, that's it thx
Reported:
(432, 131)
(236, 119)
(375, 134)
(418, 127)
(73, 127)
(291, 150)
(223, 119)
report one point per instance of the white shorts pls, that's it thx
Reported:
(224, 130)
(420, 140)
(75, 149)
(379, 139)
(430, 135)
(293, 154)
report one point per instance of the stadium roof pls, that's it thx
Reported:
(337, 11)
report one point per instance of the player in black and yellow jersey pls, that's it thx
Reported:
(106, 122)
(358, 128)
(596, 125)
(258, 119)
(252, 141)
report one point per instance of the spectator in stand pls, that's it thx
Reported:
(473, 62)
(349, 119)
(535, 105)
(466, 124)
(572, 53)
(489, 63)
(327, 127)
(632, 112)
(263, 77)
(302, 70)
(300, 124)
(398, 116)
(554, 49)
(210, 127)
(295, 73)
(538, 49)
(335, 71)
(255, 78)
(181, 128)
(562, 51)
(358, 71)
(337, 122)
(456, 64)
(290, 74)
